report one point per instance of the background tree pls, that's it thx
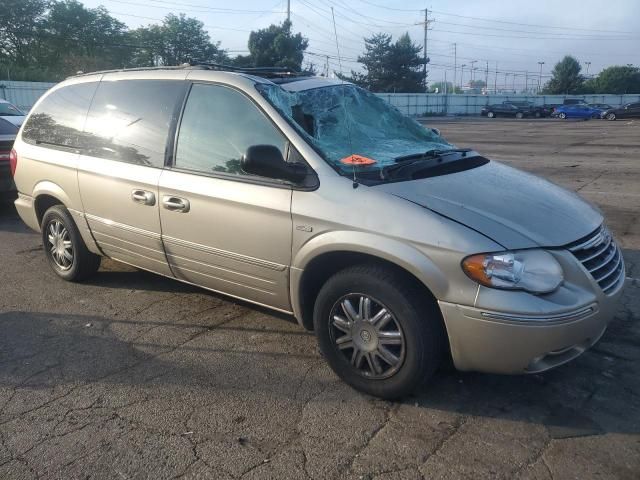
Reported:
(390, 67)
(179, 39)
(80, 38)
(566, 77)
(21, 24)
(616, 79)
(275, 46)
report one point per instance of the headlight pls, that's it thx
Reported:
(534, 271)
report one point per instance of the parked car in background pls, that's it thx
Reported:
(573, 101)
(8, 132)
(547, 109)
(600, 106)
(534, 110)
(630, 110)
(504, 110)
(11, 113)
(576, 111)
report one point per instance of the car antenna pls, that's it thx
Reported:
(344, 100)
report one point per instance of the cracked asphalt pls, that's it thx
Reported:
(131, 375)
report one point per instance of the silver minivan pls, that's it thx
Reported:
(316, 198)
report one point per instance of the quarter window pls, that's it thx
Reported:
(129, 120)
(218, 125)
(58, 119)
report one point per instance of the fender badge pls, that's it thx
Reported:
(304, 228)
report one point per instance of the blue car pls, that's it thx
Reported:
(577, 111)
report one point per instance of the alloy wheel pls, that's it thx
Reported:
(59, 245)
(368, 335)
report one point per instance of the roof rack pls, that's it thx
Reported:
(266, 72)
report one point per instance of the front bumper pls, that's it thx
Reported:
(498, 342)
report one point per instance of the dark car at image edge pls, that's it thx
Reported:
(629, 110)
(8, 132)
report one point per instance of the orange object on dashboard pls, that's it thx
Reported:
(357, 160)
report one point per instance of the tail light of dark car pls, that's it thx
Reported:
(13, 161)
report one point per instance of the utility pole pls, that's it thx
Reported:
(425, 24)
(588, 64)
(462, 75)
(526, 82)
(473, 62)
(455, 65)
(288, 10)
(514, 83)
(486, 79)
(540, 77)
(327, 66)
(495, 81)
(506, 76)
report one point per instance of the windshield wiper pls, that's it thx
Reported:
(434, 156)
(434, 153)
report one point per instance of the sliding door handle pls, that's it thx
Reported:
(175, 204)
(143, 197)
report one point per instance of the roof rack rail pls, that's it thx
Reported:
(266, 72)
(269, 72)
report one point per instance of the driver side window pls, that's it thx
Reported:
(218, 125)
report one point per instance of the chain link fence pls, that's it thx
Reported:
(23, 94)
(433, 104)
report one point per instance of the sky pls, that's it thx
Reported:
(510, 36)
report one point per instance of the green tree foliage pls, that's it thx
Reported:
(179, 39)
(51, 39)
(566, 77)
(390, 67)
(275, 46)
(617, 79)
(21, 24)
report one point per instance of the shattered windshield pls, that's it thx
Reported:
(353, 128)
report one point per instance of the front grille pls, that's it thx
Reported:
(601, 256)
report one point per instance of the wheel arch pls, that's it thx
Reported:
(47, 194)
(321, 258)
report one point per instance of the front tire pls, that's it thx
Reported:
(379, 332)
(610, 116)
(66, 252)
(519, 115)
(491, 115)
(562, 115)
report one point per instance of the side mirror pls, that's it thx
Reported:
(436, 131)
(267, 161)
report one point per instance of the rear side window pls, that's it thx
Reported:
(58, 119)
(129, 120)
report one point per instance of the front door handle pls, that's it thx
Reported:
(143, 197)
(175, 204)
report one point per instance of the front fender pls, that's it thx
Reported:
(399, 253)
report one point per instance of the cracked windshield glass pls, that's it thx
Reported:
(353, 128)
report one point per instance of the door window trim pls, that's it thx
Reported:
(170, 157)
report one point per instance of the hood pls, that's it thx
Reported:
(513, 208)
(15, 119)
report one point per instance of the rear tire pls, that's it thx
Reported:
(519, 115)
(491, 115)
(378, 330)
(611, 116)
(66, 252)
(562, 115)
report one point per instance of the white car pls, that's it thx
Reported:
(11, 113)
